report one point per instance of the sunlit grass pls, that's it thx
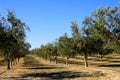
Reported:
(3, 63)
(31, 62)
(108, 61)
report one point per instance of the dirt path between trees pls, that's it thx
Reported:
(13, 72)
(101, 73)
(51, 71)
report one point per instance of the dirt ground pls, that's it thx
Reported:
(51, 71)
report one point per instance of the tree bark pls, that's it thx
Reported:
(11, 63)
(14, 62)
(101, 58)
(56, 59)
(8, 66)
(67, 60)
(85, 59)
(18, 59)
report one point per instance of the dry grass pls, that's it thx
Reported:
(43, 70)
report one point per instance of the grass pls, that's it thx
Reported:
(31, 62)
(63, 75)
(109, 65)
(35, 69)
(108, 61)
(61, 60)
(3, 63)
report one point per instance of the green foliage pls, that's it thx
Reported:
(99, 34)
(12, 38)
(48, 51)
(101, 27)
(66, 47)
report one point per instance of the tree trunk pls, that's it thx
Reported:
(50, 59)
(14, 62)
(11, 62)
(18, 59)
(56, 59)
(101, 57)
(67, 60)
(85, 59)
(8, 66)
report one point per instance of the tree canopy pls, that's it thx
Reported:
(12, 38)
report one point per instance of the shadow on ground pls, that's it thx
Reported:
(3, 72)
(63, 75)
(45, 67)
(110, 65)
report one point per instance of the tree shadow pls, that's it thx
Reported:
(109, 65)
(63, 75)
(13, 78)
(114, 61)
(3, 72)
(108, 57)
(45, 67)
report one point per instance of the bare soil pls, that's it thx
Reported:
(51, 71)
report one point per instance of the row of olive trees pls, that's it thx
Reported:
(99, 34)
(12, 38)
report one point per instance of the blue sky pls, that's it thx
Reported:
(50, 19)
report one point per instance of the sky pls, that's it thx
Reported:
(50, 19)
